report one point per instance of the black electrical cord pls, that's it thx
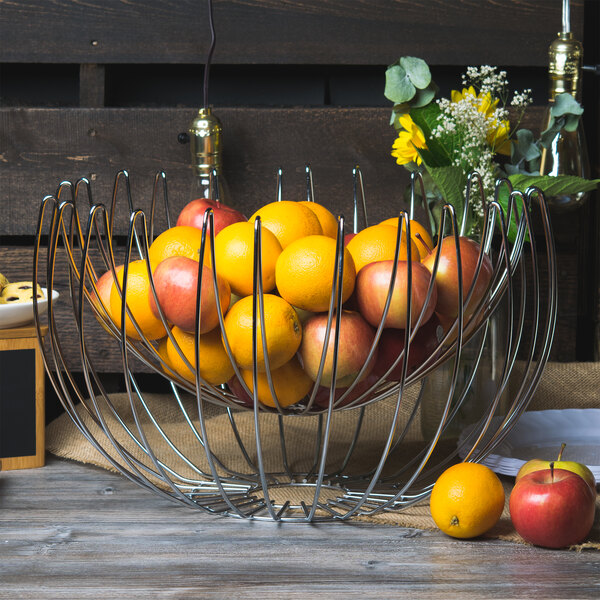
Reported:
(213, 40)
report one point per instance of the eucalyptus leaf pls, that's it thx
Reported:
(526, 145)
(398, 87)
(425, 96)
(417, 71)
(565, 104)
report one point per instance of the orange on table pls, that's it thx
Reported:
(376, 243)
(329, 224)
(290, 383)
(234, 257)
(305, 269)
(416, 229)
(215, 365)
(137, 299)
(283, 332)
(181, 240)
(288, 221)
(467, 500)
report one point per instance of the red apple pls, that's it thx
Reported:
(103, 286)
(176, 284)
(355, 341)
(372, 288)
(447, 275)
(322, 395)
(391, 344)
(348, 237)
(553, 508)
(537, 464)
(192, 214)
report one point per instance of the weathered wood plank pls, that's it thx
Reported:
(41, 147)
(352, 32)
(71, 530)
(91, 85)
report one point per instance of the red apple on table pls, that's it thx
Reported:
(176, 284)
(192, 214)
(425, 343)
(447, 275)
(553, 508)
(372, 288)
(356, 337)
(537, 464)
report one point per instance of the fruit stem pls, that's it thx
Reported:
(423, 242)
(562, 449)
(552, 471)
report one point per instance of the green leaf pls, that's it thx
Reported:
(425, 96)
(503, 198)
(565, 104)
(550, 185)
(398, 87)
(417, 71)
(426, 119)
(554, 185)
(525, 146)
(451, 181)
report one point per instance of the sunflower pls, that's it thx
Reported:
(408, 142)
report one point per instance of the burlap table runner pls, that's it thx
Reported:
(563, 385)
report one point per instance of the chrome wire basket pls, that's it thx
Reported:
(376, 445)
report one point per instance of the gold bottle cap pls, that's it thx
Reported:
(565, 58)
(205, 142)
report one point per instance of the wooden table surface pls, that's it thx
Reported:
(74, 531)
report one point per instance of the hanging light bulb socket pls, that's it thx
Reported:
(567, 152)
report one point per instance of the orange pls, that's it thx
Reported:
(288, 221)
(215, 365)
(305, 269)
(416, 231)
(329, 224)
(467, 500)
(283, 332)
(234, 257)
(138, 302)
(180, 240)
(161, 350)
(290, 383)
(376, 243)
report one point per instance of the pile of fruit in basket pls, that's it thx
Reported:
(298, 262)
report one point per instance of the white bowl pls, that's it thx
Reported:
(21, 313)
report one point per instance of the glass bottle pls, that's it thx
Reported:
(205, 133)
(567, 154)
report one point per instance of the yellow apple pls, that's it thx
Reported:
(537, 464)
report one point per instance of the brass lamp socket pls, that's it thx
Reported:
(205, 133)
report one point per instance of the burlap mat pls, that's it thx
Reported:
(563, 385)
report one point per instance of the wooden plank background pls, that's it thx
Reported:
(327, 32)
(98, 70)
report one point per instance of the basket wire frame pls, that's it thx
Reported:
(221, 488)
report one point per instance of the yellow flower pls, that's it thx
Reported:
(497, 135)
(408, 141)
(498, 138)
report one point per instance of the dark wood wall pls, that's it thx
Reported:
(89, 88)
